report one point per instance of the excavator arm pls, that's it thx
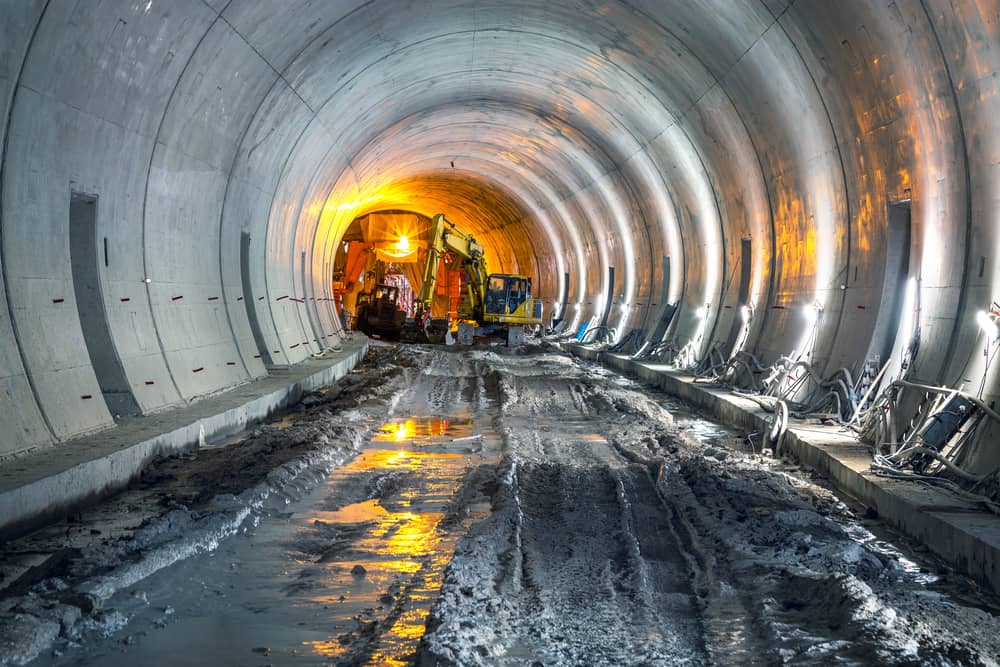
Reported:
(446, 237)
(496, 302)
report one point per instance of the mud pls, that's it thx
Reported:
(483, 507)
(57, 581)
(639, 544)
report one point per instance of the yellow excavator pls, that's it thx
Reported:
(494, 304)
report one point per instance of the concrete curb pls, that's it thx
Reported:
(966, 537)
(55, 496)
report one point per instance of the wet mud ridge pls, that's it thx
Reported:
(615, 540)
(479, 507)
(64, 585)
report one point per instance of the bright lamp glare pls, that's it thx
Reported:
(988, 324)
(813, 311)
(745, 314)
(403, 243)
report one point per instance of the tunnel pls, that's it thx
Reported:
(777, 212)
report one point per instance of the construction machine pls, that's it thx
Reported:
(378, 313)
(494, 304)
(377, 308)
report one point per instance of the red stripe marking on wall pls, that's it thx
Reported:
(230, 363)
(281, 297)
(58, 300)
(177, 298)
(150, 382)
(292, 347)
(199, 369)
(124, 299)
(213, 298)
(86, 397)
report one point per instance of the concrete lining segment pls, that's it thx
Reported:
(966, 537)
(54, 482)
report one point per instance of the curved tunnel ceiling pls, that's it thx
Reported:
(230, 144)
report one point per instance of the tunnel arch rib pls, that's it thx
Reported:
(229, 145)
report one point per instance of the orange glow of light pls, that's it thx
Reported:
(403, 245)
(411, 428)
(404, 430)
(402, 540)
(328, 649)
(397, 431)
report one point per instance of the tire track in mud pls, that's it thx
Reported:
(599, 535)
(615, 541)
(590, 572)
(610, 572)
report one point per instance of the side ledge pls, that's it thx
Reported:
(53, 483)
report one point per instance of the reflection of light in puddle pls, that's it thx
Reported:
(399, 431)
(328, 649)
(399, 537)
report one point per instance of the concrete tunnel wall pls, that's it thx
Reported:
(571, 136)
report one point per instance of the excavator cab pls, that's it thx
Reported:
(508, 300)
(505, 293)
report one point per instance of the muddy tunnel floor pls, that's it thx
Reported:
(441, 506)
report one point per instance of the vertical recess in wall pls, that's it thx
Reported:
(896, 268)
(316, 333)
(610, 297)
(563, 298)
(667, 309)
(86, 260)
(250, 302)
(742, 299)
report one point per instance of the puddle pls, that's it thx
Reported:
(408, 429)
(347, 574)
(386, 561)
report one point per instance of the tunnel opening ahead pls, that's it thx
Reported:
(86, 256)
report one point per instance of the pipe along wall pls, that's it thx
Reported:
(774, 175)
